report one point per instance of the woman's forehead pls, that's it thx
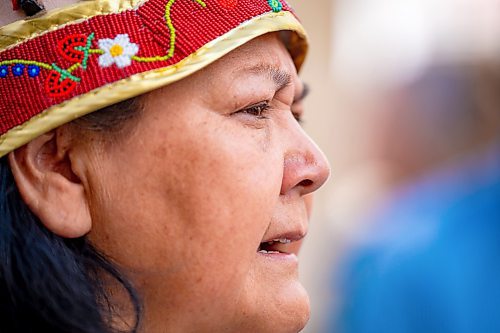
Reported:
(265, 56)
(264, 51)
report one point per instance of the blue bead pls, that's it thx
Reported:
(18, 69)
(33, 70)
(4, 71)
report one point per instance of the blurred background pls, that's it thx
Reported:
(405, 102)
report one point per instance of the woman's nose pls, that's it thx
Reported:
(305, 166)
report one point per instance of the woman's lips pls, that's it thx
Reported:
(281, 252)
(278, 256)
(281, 244)
(275, 246)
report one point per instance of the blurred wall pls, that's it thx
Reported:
(362, 52)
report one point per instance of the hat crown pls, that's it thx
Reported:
(87, 56)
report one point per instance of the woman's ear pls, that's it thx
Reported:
(44, 175)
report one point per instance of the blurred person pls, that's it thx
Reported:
(428, 259)
(154, 176)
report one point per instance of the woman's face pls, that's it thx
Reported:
(215, 166)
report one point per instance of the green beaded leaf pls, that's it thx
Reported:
(275, 5)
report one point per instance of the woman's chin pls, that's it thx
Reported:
(287, 310)
(299, 309)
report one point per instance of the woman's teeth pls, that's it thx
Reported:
(268, 252)
(282, 241)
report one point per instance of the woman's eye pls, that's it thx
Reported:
(257, 110)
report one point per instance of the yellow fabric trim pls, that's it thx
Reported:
(145, 82)
(21, 31)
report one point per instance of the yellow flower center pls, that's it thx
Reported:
(116, 50)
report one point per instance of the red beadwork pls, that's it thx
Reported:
(228, 4)
(67, 47)
(55, 87)
(25, 97)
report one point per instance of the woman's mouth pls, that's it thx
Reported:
(282, 245)
(275, 246)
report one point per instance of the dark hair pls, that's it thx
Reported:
(49, 283)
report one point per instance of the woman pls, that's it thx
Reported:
(181, 204)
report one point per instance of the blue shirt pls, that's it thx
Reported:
(433, 264)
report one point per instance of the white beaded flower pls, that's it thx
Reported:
(117, 51)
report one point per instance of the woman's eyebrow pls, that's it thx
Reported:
(280, 77)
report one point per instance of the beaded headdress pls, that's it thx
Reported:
(78, 59)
